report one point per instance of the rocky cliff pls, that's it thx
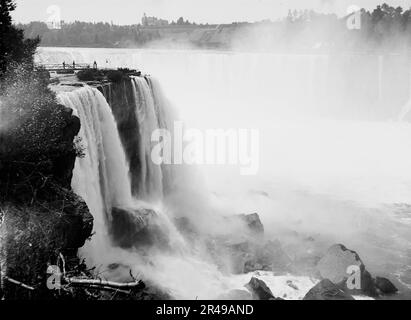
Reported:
(40, 216)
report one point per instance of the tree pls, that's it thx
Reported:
(14, 49)
(32, 123)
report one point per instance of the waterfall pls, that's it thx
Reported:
(101, 177)
(406, 108)
(149, 119)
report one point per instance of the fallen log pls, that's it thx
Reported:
(18, 283)
(104, 283)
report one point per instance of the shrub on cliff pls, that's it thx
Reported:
(89, 75)
(14, 49)
(115, 75)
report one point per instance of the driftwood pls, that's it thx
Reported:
(18, 283)
(100, 283)
(103, 283)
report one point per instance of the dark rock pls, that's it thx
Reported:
(63, 165)
(76, 223)
(385, 286)
(137, 227)
(253, 223)
(259, 290)
(326, 290)
(368, 286)
(186, 227)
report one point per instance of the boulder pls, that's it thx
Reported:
(327, 290)
(259, 290)
(367, 285)
(253, 223)
(76, 223)
(385, 286)
(137, 227)
(336, 264)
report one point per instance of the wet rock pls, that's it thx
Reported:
(338, 265)
(63, 165)
(334, 264)
(253, 223)
(76, 223)
(236, 295)
(245, 226)
(327, 290)
(385, 286)
(186, 228)
(367, 285)
(259, 290)
(137, 227)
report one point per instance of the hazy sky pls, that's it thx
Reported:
(212, 11)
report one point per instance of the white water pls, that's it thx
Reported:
(152, 177)
(102, 176)
(334, 160)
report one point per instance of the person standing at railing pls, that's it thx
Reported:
(74, 64)
(64, 64)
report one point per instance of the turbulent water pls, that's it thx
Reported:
(334, 157)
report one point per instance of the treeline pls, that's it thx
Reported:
(385, 27)
(79, 34)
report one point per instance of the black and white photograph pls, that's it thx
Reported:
(196, 156)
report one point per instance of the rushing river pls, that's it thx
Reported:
(334, 149)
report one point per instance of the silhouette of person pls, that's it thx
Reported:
(64, 64)
(74, 65)
(95, 65)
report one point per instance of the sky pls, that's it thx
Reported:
(201, 11)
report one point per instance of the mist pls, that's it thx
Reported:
(334, 148)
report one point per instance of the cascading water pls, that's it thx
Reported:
(151, 184)
(101, 177)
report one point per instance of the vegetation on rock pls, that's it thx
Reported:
(40, 217)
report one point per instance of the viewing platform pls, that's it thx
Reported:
(66, 68)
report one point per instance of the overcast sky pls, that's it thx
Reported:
(211, 11)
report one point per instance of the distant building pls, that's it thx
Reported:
(153, 21)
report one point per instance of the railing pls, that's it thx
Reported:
(66, 66)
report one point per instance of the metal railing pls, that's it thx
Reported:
(64, 66)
